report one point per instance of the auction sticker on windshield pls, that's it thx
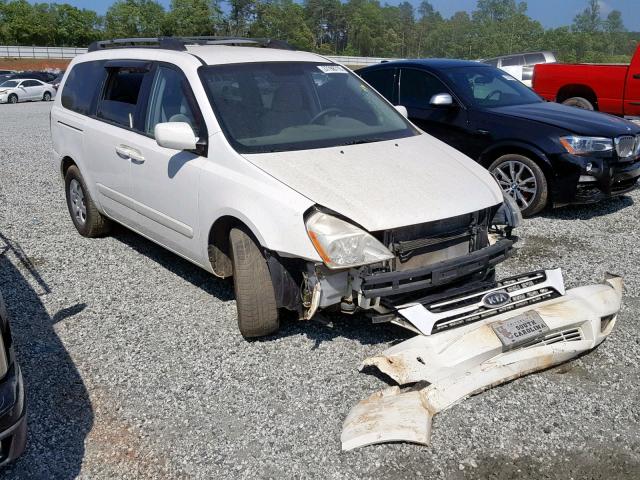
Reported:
(520, 329)
(331, 69)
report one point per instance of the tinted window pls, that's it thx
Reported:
(417, 88)
(171, 100)
(121, 94)
(10, 84)
(82, 86)
(31, 83)
(283, 106)
(534, 58)
(382, 81)
(490, 87)
(513, 61)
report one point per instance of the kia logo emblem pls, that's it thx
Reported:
(496, 299)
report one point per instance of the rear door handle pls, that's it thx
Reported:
(637, 76)
(130, 153)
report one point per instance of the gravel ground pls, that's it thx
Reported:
(135, 369)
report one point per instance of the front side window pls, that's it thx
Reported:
(489, 87)
(120, 98)
(514, 61)
(417, 88)
(282, 106)
(81, 88)
(171, 100)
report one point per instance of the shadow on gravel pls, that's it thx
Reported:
(587, 212)
(221, 289)
(59, 410)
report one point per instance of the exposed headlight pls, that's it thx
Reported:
(341, 244)
(582, 145)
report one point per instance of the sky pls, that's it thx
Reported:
(551, 13)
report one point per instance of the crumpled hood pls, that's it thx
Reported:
(388, 184)
(572, 119)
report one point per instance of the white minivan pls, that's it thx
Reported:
(282, 169)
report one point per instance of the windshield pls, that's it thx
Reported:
(269, 107)
(490, 87)
(10, 84)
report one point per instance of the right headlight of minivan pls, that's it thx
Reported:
(341, 244)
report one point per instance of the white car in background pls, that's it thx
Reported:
(25, 90)
(520, 65)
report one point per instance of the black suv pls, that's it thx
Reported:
(540, 153)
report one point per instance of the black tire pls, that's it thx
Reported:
(92, 223)
(579, 102)
(46, 97)
(255, 296)
(530, 190)
(13, 98)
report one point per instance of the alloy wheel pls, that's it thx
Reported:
(76, 196)
(518, 180)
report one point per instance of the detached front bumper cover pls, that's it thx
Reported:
(447, 367)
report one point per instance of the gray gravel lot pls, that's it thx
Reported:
(135, 368)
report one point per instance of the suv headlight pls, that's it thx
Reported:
(576, 145)
(341, 244)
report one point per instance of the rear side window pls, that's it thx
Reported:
(121, 94)
(30, 83)
(534, 58)
(514, 61)
(83, 84)
(382, 81)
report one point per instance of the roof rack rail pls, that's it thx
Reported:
(180, 43)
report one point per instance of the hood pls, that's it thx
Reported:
(572, 119)
(388, 184)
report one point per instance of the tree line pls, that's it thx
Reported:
(349, 27)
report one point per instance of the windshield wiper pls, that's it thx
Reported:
(363, 140)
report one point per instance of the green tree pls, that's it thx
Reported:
(589, 20)
(194, 17)
(135, 18)
(283, 20)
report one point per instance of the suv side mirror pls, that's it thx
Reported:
(403, 110)
(441, 100)
(176, 135)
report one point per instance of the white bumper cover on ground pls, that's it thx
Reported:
(463, 361)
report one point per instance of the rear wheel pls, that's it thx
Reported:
(46, 97)
(85, 216)
(522, 179)
(579, 102)
(255, 295)
(13, 98)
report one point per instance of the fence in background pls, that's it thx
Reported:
(70, 52)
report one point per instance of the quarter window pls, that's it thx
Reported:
(514, 61)
(534, 58)
(171, 101)
(417, 88)
(81, 88)
(120, 97)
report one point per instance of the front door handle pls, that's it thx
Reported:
(637, 76)
(130, 153)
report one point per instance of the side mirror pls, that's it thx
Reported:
(176, 135)
(403, 110)
(441, 100)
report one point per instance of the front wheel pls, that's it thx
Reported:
(255, 295)
(522, 179)
(46, 97)
(13, 98)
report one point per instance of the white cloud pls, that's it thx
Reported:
(605, 8)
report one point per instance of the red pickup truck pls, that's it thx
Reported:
(613, 89)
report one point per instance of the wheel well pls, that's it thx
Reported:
(219, 248)
(487, 159)
(65, 164)
(569, 91)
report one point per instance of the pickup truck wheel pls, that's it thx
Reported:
(85, 216)
(255, 295)
(579, 102)
(523, 180)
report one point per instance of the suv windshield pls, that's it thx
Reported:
(10, 84)
(490, 87)
(269, 107)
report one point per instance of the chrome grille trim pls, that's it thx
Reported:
(626, 145)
